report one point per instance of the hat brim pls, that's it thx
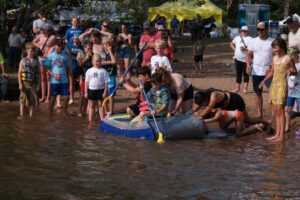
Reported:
(288, 21)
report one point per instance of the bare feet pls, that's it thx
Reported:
(42, 100)
(260, 127)
(279, 139)
(272, 138)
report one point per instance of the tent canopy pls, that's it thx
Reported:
(187, 10)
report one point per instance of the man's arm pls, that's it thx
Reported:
(248, 61)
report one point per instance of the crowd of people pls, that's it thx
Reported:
(94, 59)
(274, 64)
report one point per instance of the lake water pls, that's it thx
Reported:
(67, 158)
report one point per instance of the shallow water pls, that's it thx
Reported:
(66, 158)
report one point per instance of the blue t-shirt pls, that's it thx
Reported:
(74, 51)
(71, 32)
(174, 23)
(58, 64)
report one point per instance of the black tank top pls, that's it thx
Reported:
(221, 103)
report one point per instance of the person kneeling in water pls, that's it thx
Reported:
(226, 117)
(158, 94)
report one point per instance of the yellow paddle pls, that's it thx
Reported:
(160, 138)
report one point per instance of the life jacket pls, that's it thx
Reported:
(30, 70)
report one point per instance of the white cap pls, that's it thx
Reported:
(244, 28)
(291, 18)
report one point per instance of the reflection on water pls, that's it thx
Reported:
(66, 158)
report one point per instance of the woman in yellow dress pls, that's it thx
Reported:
(282, 65)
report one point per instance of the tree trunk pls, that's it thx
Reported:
(286, 8)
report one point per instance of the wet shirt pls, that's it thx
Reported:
(58, 64)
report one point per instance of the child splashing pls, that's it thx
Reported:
(282, 64)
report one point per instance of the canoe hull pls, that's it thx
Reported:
(176, 127)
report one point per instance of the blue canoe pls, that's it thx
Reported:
(176, 127)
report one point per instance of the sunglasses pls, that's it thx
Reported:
(105, 25)
(260, 29)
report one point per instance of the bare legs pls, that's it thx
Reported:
(259, 103)
(278, 111)
(91, 108)
(52, 102)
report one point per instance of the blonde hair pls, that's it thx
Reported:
(96, 57)
(160, 44)
(29, 45)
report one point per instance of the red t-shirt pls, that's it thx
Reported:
(148, 53)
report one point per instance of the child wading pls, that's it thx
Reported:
(282, 65)
(58, 64)
(108, 62)
(28, 77)
(84, 62)
(96, 81)
(159, 95)
(293, 91)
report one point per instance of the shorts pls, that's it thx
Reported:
(256, 80)
(75, 72)
(135, 109)
(82, 85)
(198, 58)
(95, 95)
(124, 52)
(188, 94)
(290, 102)
(59, 89)
(28, 97)
(174, 31)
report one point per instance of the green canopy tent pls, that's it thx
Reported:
(187, 10)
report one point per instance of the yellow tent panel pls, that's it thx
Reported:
(187, 10)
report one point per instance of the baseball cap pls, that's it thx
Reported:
(147, 25)
(291, 18)
(244, 28)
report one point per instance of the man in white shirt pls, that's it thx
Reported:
(293, 40)
(261, 50)
(240, 45)
(39, 23)
(15, 44)
(294, 35)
